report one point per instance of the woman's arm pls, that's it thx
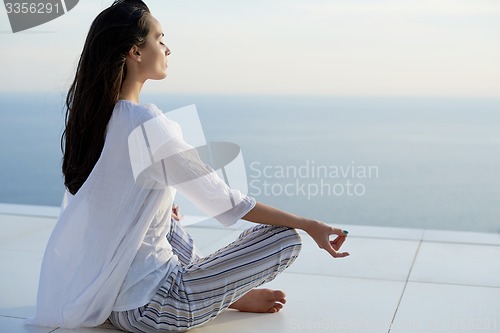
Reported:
(319, 231)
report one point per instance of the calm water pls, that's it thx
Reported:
(405, 162)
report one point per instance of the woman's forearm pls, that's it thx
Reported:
(265, 214)
(319, 231)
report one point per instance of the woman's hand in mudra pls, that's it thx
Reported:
(321, 233)
(176, 213)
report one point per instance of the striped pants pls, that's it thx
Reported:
(203, 287)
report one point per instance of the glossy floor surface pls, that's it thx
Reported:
(396, 280)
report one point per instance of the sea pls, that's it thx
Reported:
(409, 162)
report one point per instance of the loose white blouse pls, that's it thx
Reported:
(108, 251)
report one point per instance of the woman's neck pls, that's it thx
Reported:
(131, 90)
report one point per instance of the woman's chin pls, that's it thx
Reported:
(160, 76)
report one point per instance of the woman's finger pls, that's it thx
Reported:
(338, 232)
(337, 243)
(176, 213)
(336, 254)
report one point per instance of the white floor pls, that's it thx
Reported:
(396, 280)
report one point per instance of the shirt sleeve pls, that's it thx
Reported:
(160, 157)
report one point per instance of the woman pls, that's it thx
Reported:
(116, 252)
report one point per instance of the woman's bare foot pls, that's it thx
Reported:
(260, 301)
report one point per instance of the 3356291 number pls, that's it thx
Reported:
(32, 8)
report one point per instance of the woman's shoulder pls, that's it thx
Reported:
(144, 114)
(136, 111)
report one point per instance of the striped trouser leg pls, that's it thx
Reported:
(182, 244)
(207, 286)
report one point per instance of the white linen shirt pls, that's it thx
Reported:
(108, 251)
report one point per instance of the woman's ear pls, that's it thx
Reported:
(135, 54)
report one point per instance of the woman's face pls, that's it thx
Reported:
(154, 53)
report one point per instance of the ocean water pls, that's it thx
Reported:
(386, 161)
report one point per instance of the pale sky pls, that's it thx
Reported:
(321, 47)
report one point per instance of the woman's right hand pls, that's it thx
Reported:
(321, 233)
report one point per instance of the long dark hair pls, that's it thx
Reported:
(97, 84)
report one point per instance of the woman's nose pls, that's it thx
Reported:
(167, 51)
